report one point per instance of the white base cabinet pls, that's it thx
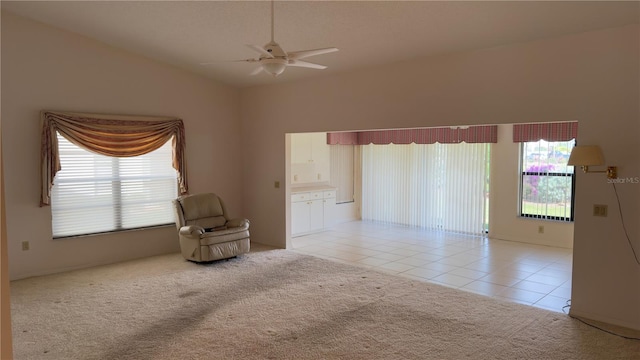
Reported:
(329, 210)
(316, 213)
(312, 211)
(300, 217)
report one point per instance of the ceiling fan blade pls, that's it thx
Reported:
(228, 61)
(256, 71)
(260, 50)
(306, 53)
(305, 64)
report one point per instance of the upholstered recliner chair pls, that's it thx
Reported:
(205, 231)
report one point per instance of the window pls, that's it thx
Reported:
(95, 193)
(547, 183)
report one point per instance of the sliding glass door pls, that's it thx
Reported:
(436, 186)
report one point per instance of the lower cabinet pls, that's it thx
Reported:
(329, 211)
(312, 211)
(316, 215)
(300, 217)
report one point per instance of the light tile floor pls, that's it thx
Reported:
(529, 274)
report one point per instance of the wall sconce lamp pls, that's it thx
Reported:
(590, 155)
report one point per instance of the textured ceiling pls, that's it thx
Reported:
(368, 33)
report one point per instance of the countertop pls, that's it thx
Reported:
(311, 188)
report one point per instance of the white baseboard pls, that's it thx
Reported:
(604, 319)
(534, 241)
(62, 269)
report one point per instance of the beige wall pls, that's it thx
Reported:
(504, 222)
(590, 77)
(44, 68)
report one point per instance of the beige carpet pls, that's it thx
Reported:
(282, 305)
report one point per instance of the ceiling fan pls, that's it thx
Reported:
(273, 59)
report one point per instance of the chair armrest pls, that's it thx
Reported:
(238, 223)
(192, 231)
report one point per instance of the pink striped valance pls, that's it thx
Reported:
(342, 138)
(109, 135)
(558, 131)
(443, 135)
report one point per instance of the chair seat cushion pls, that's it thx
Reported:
(217, 237)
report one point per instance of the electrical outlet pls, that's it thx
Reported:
(276, 184)
(319, 176)
(540, 229)
(600, 210)
(25, 245)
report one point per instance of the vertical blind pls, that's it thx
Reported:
(95, 193)
(343, 171)
(436, 186)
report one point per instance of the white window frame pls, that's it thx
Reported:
(522, 173)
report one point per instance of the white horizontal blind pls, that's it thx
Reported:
(437, 186)
(342, 171)
(95, 193)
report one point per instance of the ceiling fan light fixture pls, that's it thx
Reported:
(274, 60)
(274, 67)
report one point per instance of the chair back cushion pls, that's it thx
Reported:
(205, 210)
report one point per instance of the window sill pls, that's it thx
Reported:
(114, 232)
(541, 218)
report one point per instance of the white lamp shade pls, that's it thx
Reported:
(274, 66)
(586, 155)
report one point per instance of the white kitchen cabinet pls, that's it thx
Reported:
(321, 156)
(300, 148)
(300, 217)
(304, 212)
(329, 207)
(310, 158)
(316, 215)
(312, 211)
